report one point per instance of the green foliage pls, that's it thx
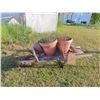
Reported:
(60, 23)
(15, 33)
(95, 18)
(48, 38)
(22, 34)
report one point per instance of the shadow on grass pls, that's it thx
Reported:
(8, 62)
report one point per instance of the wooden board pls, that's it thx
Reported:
(71, 58)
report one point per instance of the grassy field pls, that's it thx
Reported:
(85, 73)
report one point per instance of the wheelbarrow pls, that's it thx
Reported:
(74, 53)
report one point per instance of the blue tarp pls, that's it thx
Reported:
(77, 18)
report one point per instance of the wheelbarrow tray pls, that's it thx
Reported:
(40, 57)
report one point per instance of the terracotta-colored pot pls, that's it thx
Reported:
(49, 48)
(64, 44)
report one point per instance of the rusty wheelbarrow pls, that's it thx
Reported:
(40, 58)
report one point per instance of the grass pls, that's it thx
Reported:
(85, 73)
(15, 33)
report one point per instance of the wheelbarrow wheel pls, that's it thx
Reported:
(60, 64)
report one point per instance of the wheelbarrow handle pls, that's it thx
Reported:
(30, 51)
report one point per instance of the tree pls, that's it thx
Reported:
(95, 19)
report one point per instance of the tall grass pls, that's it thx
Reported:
(21, 34)
(15, 33)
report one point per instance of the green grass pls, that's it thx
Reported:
(85, 73)
(18, 34)
(14, 33)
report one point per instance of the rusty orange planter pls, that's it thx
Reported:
(64, 44)
(49, 48)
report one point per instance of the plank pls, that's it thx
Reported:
(71, 58)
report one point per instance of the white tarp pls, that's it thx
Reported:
(42, 22)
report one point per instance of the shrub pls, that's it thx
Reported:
(95, 19)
